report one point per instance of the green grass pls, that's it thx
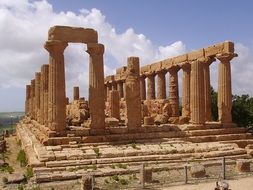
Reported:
(21, 157)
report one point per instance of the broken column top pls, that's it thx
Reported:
(73, 34)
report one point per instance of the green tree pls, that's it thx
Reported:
(214, 107)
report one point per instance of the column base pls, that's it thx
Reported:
(97, 131)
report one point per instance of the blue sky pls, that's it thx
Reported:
(150, 29)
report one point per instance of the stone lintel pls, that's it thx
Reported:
(167, 63)
(155, 67)
(180, 59)
(73, 34)
(196, 54)
(145, 69)
(224, 47)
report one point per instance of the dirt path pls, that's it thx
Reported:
(235, 184)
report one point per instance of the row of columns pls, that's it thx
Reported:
(196, 96)
(46, 95)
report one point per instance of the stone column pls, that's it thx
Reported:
(197, 95)
(161, 88)
(37, 96)
(45, 87)
(76, 93)
(114, 104)
(186, 111)
(27, 100)
(173, 91)
(224, 87)
(207, 88)
(56, 92)
(143, 87)
(42, 93)
(133, 98)
(96, 88)
(120, 88)
(151, 86)
(32, 102)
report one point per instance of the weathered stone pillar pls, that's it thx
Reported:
(224, 87)
(114, 104)
(197, 95)
(151, 86)
(207, 88)
(76, 93)
(27, 100)
(133, 98)
(96, 88)
(32, 102)
(44, 88)
(56, 92)
(37, 96)
(186, 111)
(120, 88)
(143, 87)
(173, 91)
(161, 88)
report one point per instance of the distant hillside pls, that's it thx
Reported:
(10, 118)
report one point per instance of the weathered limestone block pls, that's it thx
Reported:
(114, 104)
(148, 120)
(197, 170)
(161, 119)
(133, 98)
(243, 165)
(111, 122)
(76, 93)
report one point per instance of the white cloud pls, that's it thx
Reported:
(24, 26)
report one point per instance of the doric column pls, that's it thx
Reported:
(96, 88)
(197, 95)
(224, 87)
(151, 86)
(32, 102)
(56, 92)
(120, 88)
(114, 104)
(44, 93)
(186, 111)
(76, 93)
(37, 95)
(133, 98)
(161, 87)
(207, 88)
(143, 87)
(173, 91)
(27, 100)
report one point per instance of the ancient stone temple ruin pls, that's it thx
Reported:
(136, 104)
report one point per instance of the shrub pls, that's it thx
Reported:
(22, 158)
(123, 181)
(96, 150)
(4, 180)
(29, 172)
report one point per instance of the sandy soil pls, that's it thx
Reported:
(236, 184)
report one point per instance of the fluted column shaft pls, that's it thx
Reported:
(32, 102)
(76, 93)
(114, 85)
(27, 100)
(120, 89)
(37, 95)
(224, 87)
(114, 104)
(143, 87)
(186, 111)
(161, 87)
(56, 93)
(173, 91)
(96, 87)
(151, 87)
(44, 94)
(197, 95)
(207, 88)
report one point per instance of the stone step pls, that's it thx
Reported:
(208, 132)
(217, 138)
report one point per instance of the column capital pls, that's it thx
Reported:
(55, 46)
(225, 57)
(162, 71)
(186, 66)
(206, 60)
(95, 49)
(150, 74)
(142, 76)
(174, 69)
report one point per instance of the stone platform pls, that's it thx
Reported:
(167, 144)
